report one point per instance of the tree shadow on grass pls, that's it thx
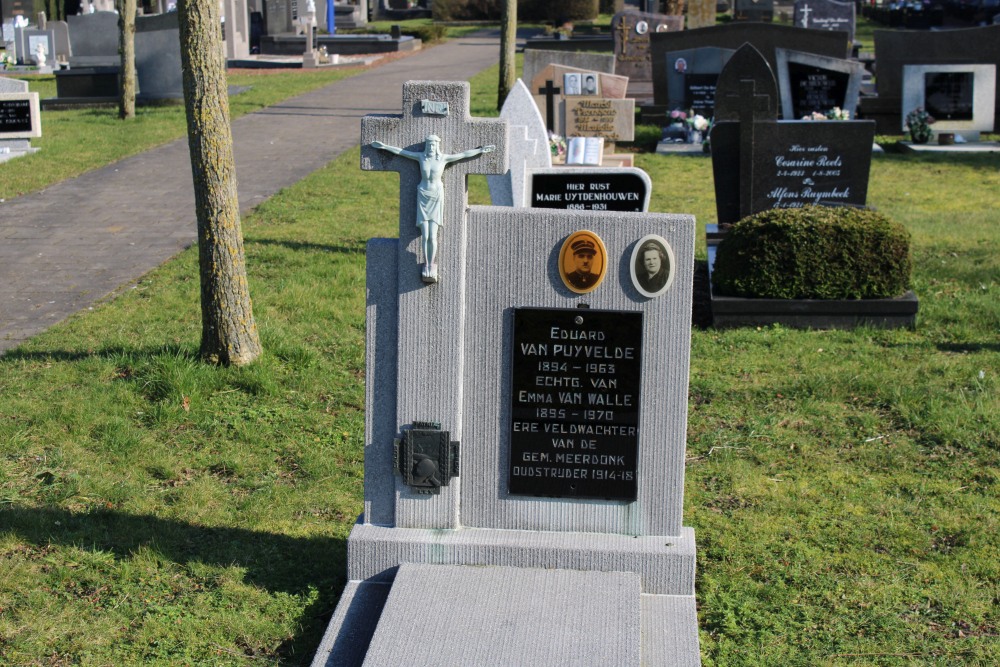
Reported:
(275, 562)
(119, 352)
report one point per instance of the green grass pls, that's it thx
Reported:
(842, 485)
(78, 140)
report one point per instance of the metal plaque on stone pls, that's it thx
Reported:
(426, 457)
(575, 386)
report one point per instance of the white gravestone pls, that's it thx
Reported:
(529, 148)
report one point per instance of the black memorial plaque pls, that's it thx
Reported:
(816, 89)
(699, 93)
(15, 116)
(948, 95)
(575, 403)
(589, 191)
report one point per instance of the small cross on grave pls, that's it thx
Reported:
(751, 106)
(624, 28)
(805, 11)
(550, 92)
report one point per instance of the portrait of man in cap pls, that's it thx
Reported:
(583, 262)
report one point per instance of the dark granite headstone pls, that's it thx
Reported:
(825, 15)
(691, 75)
(811, 83)
(15, 116)
(896, 48)
(761, 163)
(633, 58)
(158, 57)
(765, 37)
(621, 189)
(754, 10)
(93, 39)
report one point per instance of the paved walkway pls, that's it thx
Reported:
(70, 245)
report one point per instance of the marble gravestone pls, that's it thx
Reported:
(825, 15)
(528, 148)
(630, 31)
(959, 97)
(761, 163)
(525, 431)
(809, 82)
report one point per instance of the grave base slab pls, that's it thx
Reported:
(665, 565)
(462, 615)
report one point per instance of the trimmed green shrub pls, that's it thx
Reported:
(814, 252)
(467, 10)
(428, 34)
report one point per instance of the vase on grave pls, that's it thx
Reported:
(676, 133)
(694, 136)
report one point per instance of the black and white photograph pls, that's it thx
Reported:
(652, 265)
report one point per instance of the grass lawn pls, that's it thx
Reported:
(842, 485)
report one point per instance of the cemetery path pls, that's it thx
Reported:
(74, 243)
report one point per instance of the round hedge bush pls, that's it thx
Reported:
(815, 252)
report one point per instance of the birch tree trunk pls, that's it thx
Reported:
(508, 43)
(228, 330)
(126, 49)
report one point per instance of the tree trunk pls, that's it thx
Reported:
(508, 42)
(228, 331)
(126, 49)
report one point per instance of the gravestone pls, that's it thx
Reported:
(60, 32)
(237, 29)
(825, 15)
(754, 10)
(549, 91)
(633, 58)
(585, 189)
(959, 97)
(28, 40)
(528, 148)
(158, 58)
(20, 120)
(765, 37)
(614, 120)
(537, 60)
(761, 163)
(691, 76)
(896, 48)
(809, 83)
(525, 433)
(94, 39)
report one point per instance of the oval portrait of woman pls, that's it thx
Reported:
(583, 261)
(652, 265)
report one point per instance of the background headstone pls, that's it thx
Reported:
(754, 10)
(60, 31)
(691, 77)
(959, 97)
(600, 117)
(809, 82)
(20, 119)
(537, 60)
(158, 57)
(28, 40)
(825, 15)
(548, 90)
(528, 148)
(633, 57)
(781, 164)
(94, 39)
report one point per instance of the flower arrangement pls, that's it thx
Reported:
(557, 145)
(678, 116)
(6, 61)
(699, 123)
(918, 124)
(836, 113)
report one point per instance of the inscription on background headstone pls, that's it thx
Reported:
(825, 15)
(623, 189)
(599, 117)
(574, 398)
(809, 82)
(949, 95)
(15, 116)
(691, 75)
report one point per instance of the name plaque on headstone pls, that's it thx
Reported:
(699, 93)
(598, 190)
(15, 116)
(948, 95)
(816, 89)
(575, 403)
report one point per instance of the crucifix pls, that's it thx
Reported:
(805, 15)
(550, 92)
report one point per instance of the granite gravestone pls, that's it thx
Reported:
(959, 97)
(781, 164)
(691, 75)
(528, 148)
(614, 120)
(94, 39)
(28, 41)
(468, 511)
(549, 91)
(808, 82)
(574, 188)
(825, 15)
(158, 57)
(633, 58)
(765, 37)
(896, 48)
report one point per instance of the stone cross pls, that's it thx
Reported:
(805, 15)
(431, 322)
(528, 148)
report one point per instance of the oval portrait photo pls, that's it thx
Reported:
(652, 265)
(583, 261)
